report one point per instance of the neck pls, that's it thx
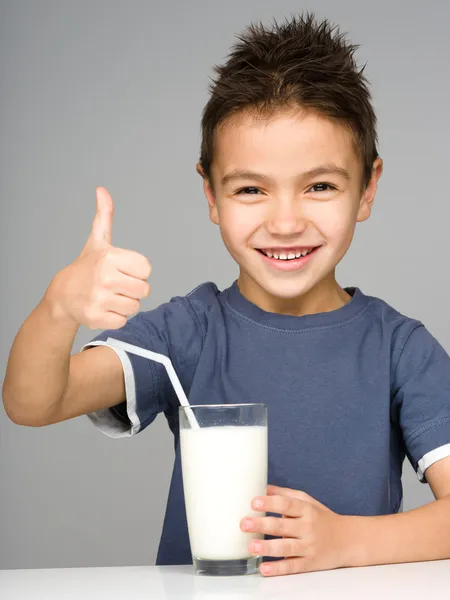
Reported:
(325, 296)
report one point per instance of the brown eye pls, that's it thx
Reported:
(322, 187)
(248, 190)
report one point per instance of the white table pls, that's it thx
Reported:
(412, 581)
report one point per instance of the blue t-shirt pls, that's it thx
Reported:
(350, 393)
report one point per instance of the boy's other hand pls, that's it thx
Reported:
(104, 285)
(311, 536)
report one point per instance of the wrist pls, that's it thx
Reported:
(354, 549)
(53, 306)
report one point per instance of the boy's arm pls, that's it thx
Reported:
(315, 538)
(416, 535)
(44, 384)
(100, 289)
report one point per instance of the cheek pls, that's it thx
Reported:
(336, 223)
(238, 223)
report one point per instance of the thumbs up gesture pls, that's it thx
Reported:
(104, 285)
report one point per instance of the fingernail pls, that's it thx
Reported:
(247, 524)
(265, 569)
(258, 503)
(257, 546)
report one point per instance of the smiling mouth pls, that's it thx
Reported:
(287, 254)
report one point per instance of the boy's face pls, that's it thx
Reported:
(282, 187)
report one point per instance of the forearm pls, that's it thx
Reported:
(416, 535)
(38, 365)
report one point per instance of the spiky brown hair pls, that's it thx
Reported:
(301, 62)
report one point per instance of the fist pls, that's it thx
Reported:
(104, 285)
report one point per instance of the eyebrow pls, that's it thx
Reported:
(329, 169)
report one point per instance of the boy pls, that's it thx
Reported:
(289, 164)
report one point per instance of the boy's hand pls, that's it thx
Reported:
(313, 537)
(104, 285)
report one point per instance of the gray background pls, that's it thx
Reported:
(110, 93)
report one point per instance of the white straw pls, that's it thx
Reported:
(164, 360)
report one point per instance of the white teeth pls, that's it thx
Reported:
(287, 256)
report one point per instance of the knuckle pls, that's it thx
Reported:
(94, 324)
(307, 528)
(106, 278)
(91, 316)
(141, 290)
(289, 504)
(279, 525)
(113, 322)
(147, 268)
(263, 525)
(307, 512)
(119, 322)
(146, 289)
(286, 526)
(291, 547)
(100, 301)
(134, 306)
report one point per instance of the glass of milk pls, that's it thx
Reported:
(224, 463)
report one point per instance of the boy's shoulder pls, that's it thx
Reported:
(198, 300)
(389, 315)
(401, 329)
(194, 306)
(204, 294)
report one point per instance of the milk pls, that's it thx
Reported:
(224, 468)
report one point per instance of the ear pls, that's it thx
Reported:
(209, 193)
(366, 202)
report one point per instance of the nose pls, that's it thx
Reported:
(285, 218)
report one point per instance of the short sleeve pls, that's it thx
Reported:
(173, 329)
(421, 399)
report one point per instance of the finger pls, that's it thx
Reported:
(129, 286)
(103, 220)
(270, 526)
(280, 548)
(280, 505)
(273, 490)
(285, 567)
(132, 263)
(123, 305)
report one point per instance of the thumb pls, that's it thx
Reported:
(103, 220)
